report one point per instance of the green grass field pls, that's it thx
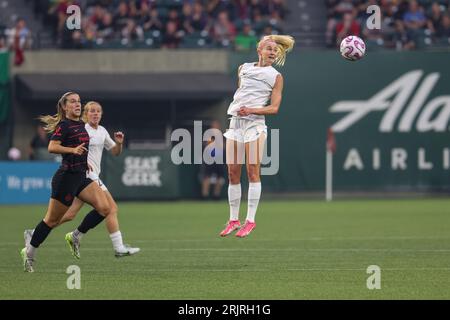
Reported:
(299, 250)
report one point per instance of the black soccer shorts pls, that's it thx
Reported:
(67, 185)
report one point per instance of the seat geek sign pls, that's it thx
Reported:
(142, 171)
(141, 175)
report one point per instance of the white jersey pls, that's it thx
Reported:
(255, 90)
(98, 139)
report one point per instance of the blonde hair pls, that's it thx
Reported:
(51, 122)
(284, 44)
(86, 110)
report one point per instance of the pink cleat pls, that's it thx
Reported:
(246, 229)
(231, 226)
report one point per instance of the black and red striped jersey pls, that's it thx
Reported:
(71, 134)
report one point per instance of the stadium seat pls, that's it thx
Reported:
(425, 3)
(169, 3)
(194, 41)
(113, 44)
(148, 43)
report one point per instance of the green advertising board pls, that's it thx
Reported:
(390, 114)
(4, 68)
(141, 175)
(4, 87)
(4, 104)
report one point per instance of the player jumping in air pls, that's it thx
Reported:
(259, 93)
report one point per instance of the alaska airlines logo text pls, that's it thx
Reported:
(434, 116)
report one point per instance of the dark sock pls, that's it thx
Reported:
(40, 234)
(91, 220)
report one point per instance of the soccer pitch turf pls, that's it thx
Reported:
(299, 250)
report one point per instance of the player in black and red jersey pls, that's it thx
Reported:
(71, 140)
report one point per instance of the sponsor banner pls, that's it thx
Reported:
(26, 182)
(4, 68)
(141, 175)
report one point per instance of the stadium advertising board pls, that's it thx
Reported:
(26, 182)
(137, 175)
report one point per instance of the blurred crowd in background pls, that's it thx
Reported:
(405, 24)
(235, 24)
(164, 23)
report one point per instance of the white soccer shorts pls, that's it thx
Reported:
(97, 179)
(245, 130)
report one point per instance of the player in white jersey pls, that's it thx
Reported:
(98, 139)
(259, 93)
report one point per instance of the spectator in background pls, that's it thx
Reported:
(150, 20)
(246, 40)
(19, 40)
(279, 6)
(131, 31)
(3, 38)
(336, 10)
(348, 26)
(276, 21)
(267, 31)
(434, 18)
(172, 37)
(215, 7)
(414, 18)
(195, 18)
(105, 29)
(242, 9)
(121, 17)
(199, 18)
(444, 29)
(39, 146)
(58, 15)
(213, 174)
(173, 17)
(414, 21)
(223, 31)
(3, 47)
(402, 37)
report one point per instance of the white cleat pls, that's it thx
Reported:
(27, 235)
(27, 262)
(126, 250)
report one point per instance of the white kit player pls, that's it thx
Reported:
(98, 139)
(259, 93)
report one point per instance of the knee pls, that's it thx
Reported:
(114, 210)
(104, 209)
(69, 216)
(52, 222)
(253, 173)
(233, 176)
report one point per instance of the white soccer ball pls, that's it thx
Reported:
(14, 154)
(353, 48)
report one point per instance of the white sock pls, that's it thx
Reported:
(234, 199)
(116, 239)
(254, 193)
(78, 234)
(31, 251)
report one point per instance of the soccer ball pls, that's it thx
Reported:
(353, 48)
(14, 154)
